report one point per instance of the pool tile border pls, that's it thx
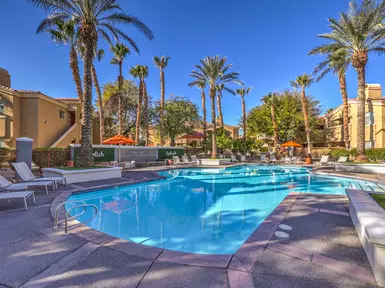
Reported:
(238, 265)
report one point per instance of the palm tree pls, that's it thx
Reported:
(66, 33)
(95, 18)
(220, 88)
(95, 80)
(338, 62)
(214, 71)
(359, 32)
(141, 72)
(201, 84)
(270, 100)
(120, 52)
(243, 92)
(303, 82)
(161, 63)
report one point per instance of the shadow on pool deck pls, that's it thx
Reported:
(31, 256)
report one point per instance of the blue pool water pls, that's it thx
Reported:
(208, 211)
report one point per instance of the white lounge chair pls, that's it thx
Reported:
(294, 160)
(233, 158)
(343, 159)
(186, 160)
(325, 160)
(177, 161)
(17, 195)
(26, 175)
(5, 184)
(195, 160)
(129, 165)
(243, 159)
(263, 159)
(273, 159)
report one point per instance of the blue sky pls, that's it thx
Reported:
(267, 41)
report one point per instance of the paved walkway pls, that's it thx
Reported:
(320, 249)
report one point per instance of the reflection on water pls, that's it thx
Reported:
(201, 210)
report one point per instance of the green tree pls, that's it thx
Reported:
(337, 62)
(270, 100)
(289, 118)
(141, 72)
(100, 104)
(129, 101)
(120, 52)
(161, 63)
(214, 71)
(303, 82)
(242, 92)
(201, 84)
(180, 117)
(359, 32)
(95, 18)
(65, 33)
(220, 88)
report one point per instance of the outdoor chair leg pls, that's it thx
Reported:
(33, 197)
(46, 189)
(25, 203)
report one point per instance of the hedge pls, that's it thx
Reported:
(56, 157)
(375, 154)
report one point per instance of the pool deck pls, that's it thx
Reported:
(322, 249)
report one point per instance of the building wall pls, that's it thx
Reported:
(49, 124)
(29, 110)
(5, 78)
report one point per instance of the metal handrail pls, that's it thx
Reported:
(77, 206)
(56, 219)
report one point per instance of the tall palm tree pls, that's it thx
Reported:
(95, 18)
(359, 32)
(270, 100)
(337, 62)
(99, 56)
(120, 52)
(67, 34)
(243, 92)
(220, 88)
(141, 72)
(201, 84)
(214, 71)
(161, 63)
(303, 82)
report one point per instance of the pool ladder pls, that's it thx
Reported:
(83, 205)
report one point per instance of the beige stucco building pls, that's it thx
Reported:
(50, 122)
(374, 121)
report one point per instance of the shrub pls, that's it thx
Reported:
(316, 153)
(337, 153)
(55, 156)
(375, 154)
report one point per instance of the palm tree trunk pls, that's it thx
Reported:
(162, 96)
(361, 112)
(214, 123)
(219, 106)
(203, 96)
(306, 118)
(138, 114)
(275, 127)
(244, 120)
(120, 110)
(74, 64)
(344, 95)
(89, 37)
(100, 102)
(145, 112)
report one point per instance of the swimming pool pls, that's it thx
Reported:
(208, 211)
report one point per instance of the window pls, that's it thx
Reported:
(1, 108)
(369, 118)
(369, 144)
(62, 113)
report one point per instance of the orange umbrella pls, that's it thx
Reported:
(119, 140)
(291, 144)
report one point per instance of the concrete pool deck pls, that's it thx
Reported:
(321, 250)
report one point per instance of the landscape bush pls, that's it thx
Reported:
(317, 153)
(375, 154)
(50, 157)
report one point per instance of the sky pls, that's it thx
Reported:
(267, 42)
